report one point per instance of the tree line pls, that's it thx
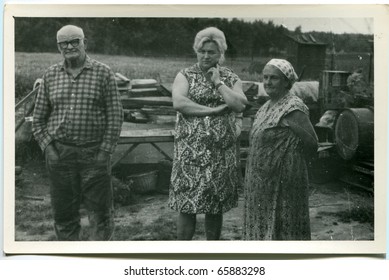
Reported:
(172, 36)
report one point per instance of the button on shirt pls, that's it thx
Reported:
(78, 110)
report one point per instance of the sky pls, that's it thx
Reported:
(327, 24)
(334, 25)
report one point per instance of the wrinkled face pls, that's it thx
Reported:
(208, 56)
(274, 81)
(71, 45)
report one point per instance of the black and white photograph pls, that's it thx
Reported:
(248, 129)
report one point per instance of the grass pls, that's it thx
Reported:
(32, 211)
(356, 214)
(160, 229)
(31, 66)
(34, 218)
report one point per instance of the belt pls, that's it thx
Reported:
(84, 145)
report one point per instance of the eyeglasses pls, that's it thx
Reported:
(75, 43)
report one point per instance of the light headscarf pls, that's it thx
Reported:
(285, 67)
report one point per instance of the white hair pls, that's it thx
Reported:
(211, 34)
(70, 30)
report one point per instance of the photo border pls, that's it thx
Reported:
(377, 246)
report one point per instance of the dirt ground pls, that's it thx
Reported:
(338, 212)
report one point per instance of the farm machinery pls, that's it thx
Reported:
(346, 129)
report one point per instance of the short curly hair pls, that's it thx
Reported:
(211, 34)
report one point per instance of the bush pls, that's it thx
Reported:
(25, 151)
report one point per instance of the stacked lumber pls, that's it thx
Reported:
(122, 82)
(145, 100)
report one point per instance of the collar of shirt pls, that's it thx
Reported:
(87, 64)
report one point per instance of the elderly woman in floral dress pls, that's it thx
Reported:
(276, 179)
(205, 175)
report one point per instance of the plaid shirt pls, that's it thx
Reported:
(79, 110)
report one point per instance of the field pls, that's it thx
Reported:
(338, 212)
(31, 66)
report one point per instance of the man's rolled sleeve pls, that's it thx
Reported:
(41, 114)
(114, 111)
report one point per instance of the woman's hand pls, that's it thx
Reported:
(238, 124)
(214, 74)
(234, 98)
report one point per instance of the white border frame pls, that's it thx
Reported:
(378, 12)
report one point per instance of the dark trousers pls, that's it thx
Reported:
(78, 179)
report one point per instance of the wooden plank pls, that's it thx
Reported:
(323, 146)
(157, 132)
(166, 89)
(21, 102)
(141, 92)
(163, 99)
(161, 151)
(159, 110)
(33, 197)
(143, 83)
(148, 139)
(367, 164)
(121, 77)
(363, 170)
(122, 156)
(19, 123)
(130, 102)
(146, 132)
(146, 126)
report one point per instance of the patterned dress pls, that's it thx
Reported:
(205, 167)
(276, 181)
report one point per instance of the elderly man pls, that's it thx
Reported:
(77, 122)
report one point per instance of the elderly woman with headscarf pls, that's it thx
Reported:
(276, 179)
(205, 175)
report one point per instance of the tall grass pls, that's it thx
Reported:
(31, 66)
(28, 68)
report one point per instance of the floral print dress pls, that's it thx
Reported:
(205, 177)
(276, 179)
